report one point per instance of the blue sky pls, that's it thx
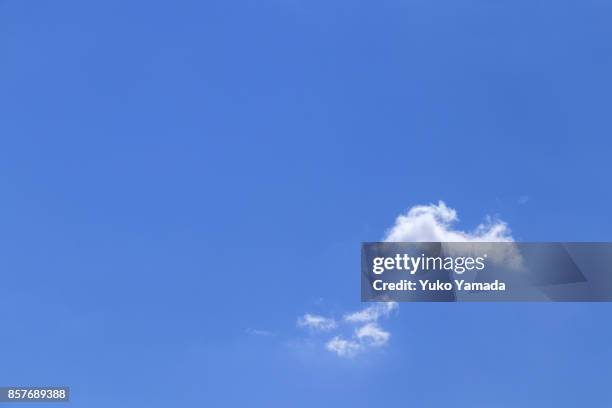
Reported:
(175, 177)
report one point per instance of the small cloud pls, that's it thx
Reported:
(364, 337)
(523, 200)
(372, 335)
(259, 332)
(371, 313)
(367, 335)
(316, 322)
(342, 347)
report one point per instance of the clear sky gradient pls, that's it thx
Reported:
(176, 177)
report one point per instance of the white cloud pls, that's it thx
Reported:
(364, 337)
(316, 322)
(434, 223)
(342, 347)
(372, 335)
(367, 334)
(371, 313)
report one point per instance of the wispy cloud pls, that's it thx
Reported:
(343, 347)
(316, 322)
(259, 332)
(372, 335)
(371, 313)
(366, 334)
